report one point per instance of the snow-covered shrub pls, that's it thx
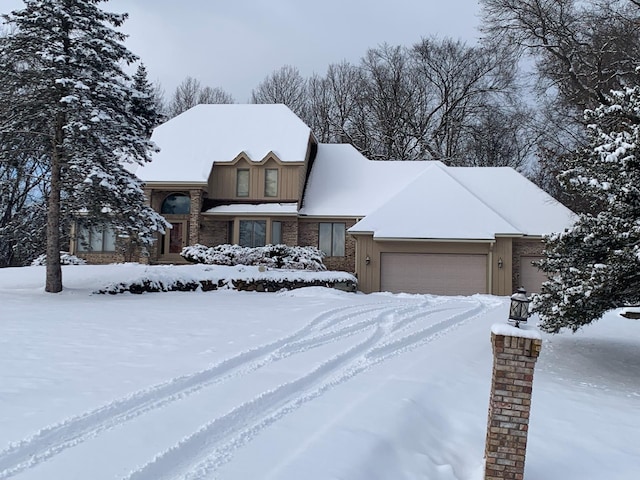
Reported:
(65, 259)
(273, 256)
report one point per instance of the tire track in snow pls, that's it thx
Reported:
(198, 455)
(57, 438)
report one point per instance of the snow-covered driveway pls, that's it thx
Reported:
(309, 384)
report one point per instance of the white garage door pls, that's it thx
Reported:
(530, 277)
(440, 274)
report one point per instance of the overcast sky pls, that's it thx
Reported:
(234, 44)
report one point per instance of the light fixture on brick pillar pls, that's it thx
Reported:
(519, 309)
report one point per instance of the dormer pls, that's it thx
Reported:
(268, 180)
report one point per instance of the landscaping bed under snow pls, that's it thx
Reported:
(187, 278)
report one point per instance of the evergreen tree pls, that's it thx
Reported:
(595, 266)
(65, 59)
(144, 103)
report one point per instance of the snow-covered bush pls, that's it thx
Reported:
(273, 256)
(65, 259)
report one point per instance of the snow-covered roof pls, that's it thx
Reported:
(257, 209)
(410, 199)
(345, 183)
(206, 134)
(466, 203)
(519, 201)
(435, 205)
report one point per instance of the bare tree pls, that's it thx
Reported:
(584, 49)
(191, 93)
(334, 101)
(433, 101)
(500, 136)
(389, 98)
(286, 86)
(458, 84)
(214, 95)
(159, 100)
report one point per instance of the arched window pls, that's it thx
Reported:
(176, 204)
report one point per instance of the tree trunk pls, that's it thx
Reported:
(54, 270)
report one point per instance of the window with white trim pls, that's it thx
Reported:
(331, 238)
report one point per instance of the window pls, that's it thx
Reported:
(253, 233)
(176, 204)
(230, 232)
(331, 237)
(242, 182)
(276, 233)
(271, 182)
(96, 239)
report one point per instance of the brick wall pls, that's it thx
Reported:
(290, 233)
(214, 232)
(194, 217)
(101, 258)
(514, 361)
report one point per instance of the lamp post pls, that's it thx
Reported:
(519, 309)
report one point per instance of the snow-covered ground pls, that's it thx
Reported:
(308, 384)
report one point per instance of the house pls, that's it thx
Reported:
(255, 174)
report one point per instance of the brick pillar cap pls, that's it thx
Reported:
(506, 330)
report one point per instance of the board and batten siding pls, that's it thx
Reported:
(222, 183)
(502, 277)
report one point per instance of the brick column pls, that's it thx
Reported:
(515, 352)
(194, 217)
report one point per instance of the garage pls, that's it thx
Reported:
(531, 277)
(440, 274)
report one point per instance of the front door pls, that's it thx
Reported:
(173, 242)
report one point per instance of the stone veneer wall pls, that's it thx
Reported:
(527, 248)
(514, 360)
(308, 236)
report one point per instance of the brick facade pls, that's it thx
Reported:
(214, 232)
(514, 361)
(194, 216)
(290, 233)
